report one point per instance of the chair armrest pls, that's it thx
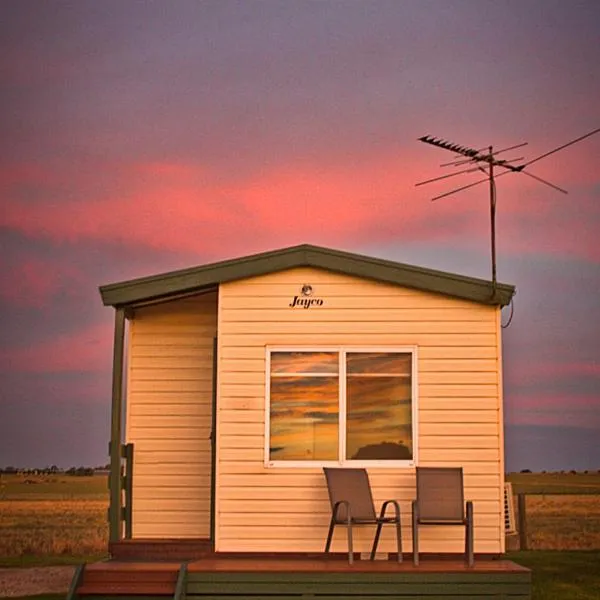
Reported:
(336, 508)
(384, 506)
(469, 512)
(415, 509)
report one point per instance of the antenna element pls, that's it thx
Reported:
(478, 157)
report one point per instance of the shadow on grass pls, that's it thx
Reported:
(562, 575)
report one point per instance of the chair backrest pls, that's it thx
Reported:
(351, 485)
(440, 494)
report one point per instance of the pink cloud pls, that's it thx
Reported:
(31, 281)
(548, 409)
(531, 371)
(185, 207)
(88, 349)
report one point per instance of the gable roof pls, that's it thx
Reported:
(196, 279)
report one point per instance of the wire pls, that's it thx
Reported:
(510, 317)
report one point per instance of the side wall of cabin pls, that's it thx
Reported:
(261, 508)
(169, 407)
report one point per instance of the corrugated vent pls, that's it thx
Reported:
(509, 510)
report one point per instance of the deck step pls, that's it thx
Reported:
(165, 550)
(273, 578)
(116, 576)
(129, 579)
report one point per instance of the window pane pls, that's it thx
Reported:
(304, 362)
(387, 363)
(304, 418)
(379, 418)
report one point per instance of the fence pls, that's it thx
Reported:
(558, 520)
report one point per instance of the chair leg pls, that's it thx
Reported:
(376, 540)
(397, 522)
(399, 537)
(415, 532)
(330, 534)
(469, 535)
(350, 546)
(380, 522)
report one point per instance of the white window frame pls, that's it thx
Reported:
(342, 462)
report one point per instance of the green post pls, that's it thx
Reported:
(181, 583)
(213, 442)
(522, 503)
(115, 483)
(128, 487)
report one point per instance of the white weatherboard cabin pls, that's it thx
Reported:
(235, 383)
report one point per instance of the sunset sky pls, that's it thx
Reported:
(140, 137)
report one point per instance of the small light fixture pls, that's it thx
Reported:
(307, 290)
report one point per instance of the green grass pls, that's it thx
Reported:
(562, 575)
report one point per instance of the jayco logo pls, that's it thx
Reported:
(305, 300)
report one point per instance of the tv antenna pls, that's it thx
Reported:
(484, 160)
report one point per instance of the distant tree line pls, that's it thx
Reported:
(54, 470)
(571, 472)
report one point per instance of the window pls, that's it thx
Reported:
(340, 405)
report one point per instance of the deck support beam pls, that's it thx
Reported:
(115, 481)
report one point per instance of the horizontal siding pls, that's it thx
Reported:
(363, 539)
(429, 351)
(307, 337)
(236, 366)
(427, 378)
(251, 467)
(341, 314)
(169, 416)
(304, 510)
(239, 431)
(283, 509)
(235, 518)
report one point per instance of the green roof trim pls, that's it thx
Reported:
(186, 281)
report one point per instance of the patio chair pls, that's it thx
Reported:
(352, 504)
(440, 501)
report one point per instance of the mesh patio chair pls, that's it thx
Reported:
(440, 501)
(352, 504)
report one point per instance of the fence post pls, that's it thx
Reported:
(522, 521)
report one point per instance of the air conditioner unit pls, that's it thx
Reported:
(509, 510)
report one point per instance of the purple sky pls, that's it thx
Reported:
(139, 137)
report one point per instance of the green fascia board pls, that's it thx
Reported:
(186, 281)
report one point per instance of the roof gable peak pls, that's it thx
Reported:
(186, 281)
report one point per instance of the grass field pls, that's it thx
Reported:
(59, 518)
(53, 519)
(563, 509)
(555, 483)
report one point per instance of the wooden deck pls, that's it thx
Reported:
(273, 578)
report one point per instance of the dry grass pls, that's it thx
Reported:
(57, 516)
(563, 522)
(55, 527)
(563, 509)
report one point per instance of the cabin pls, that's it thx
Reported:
(235, 383)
